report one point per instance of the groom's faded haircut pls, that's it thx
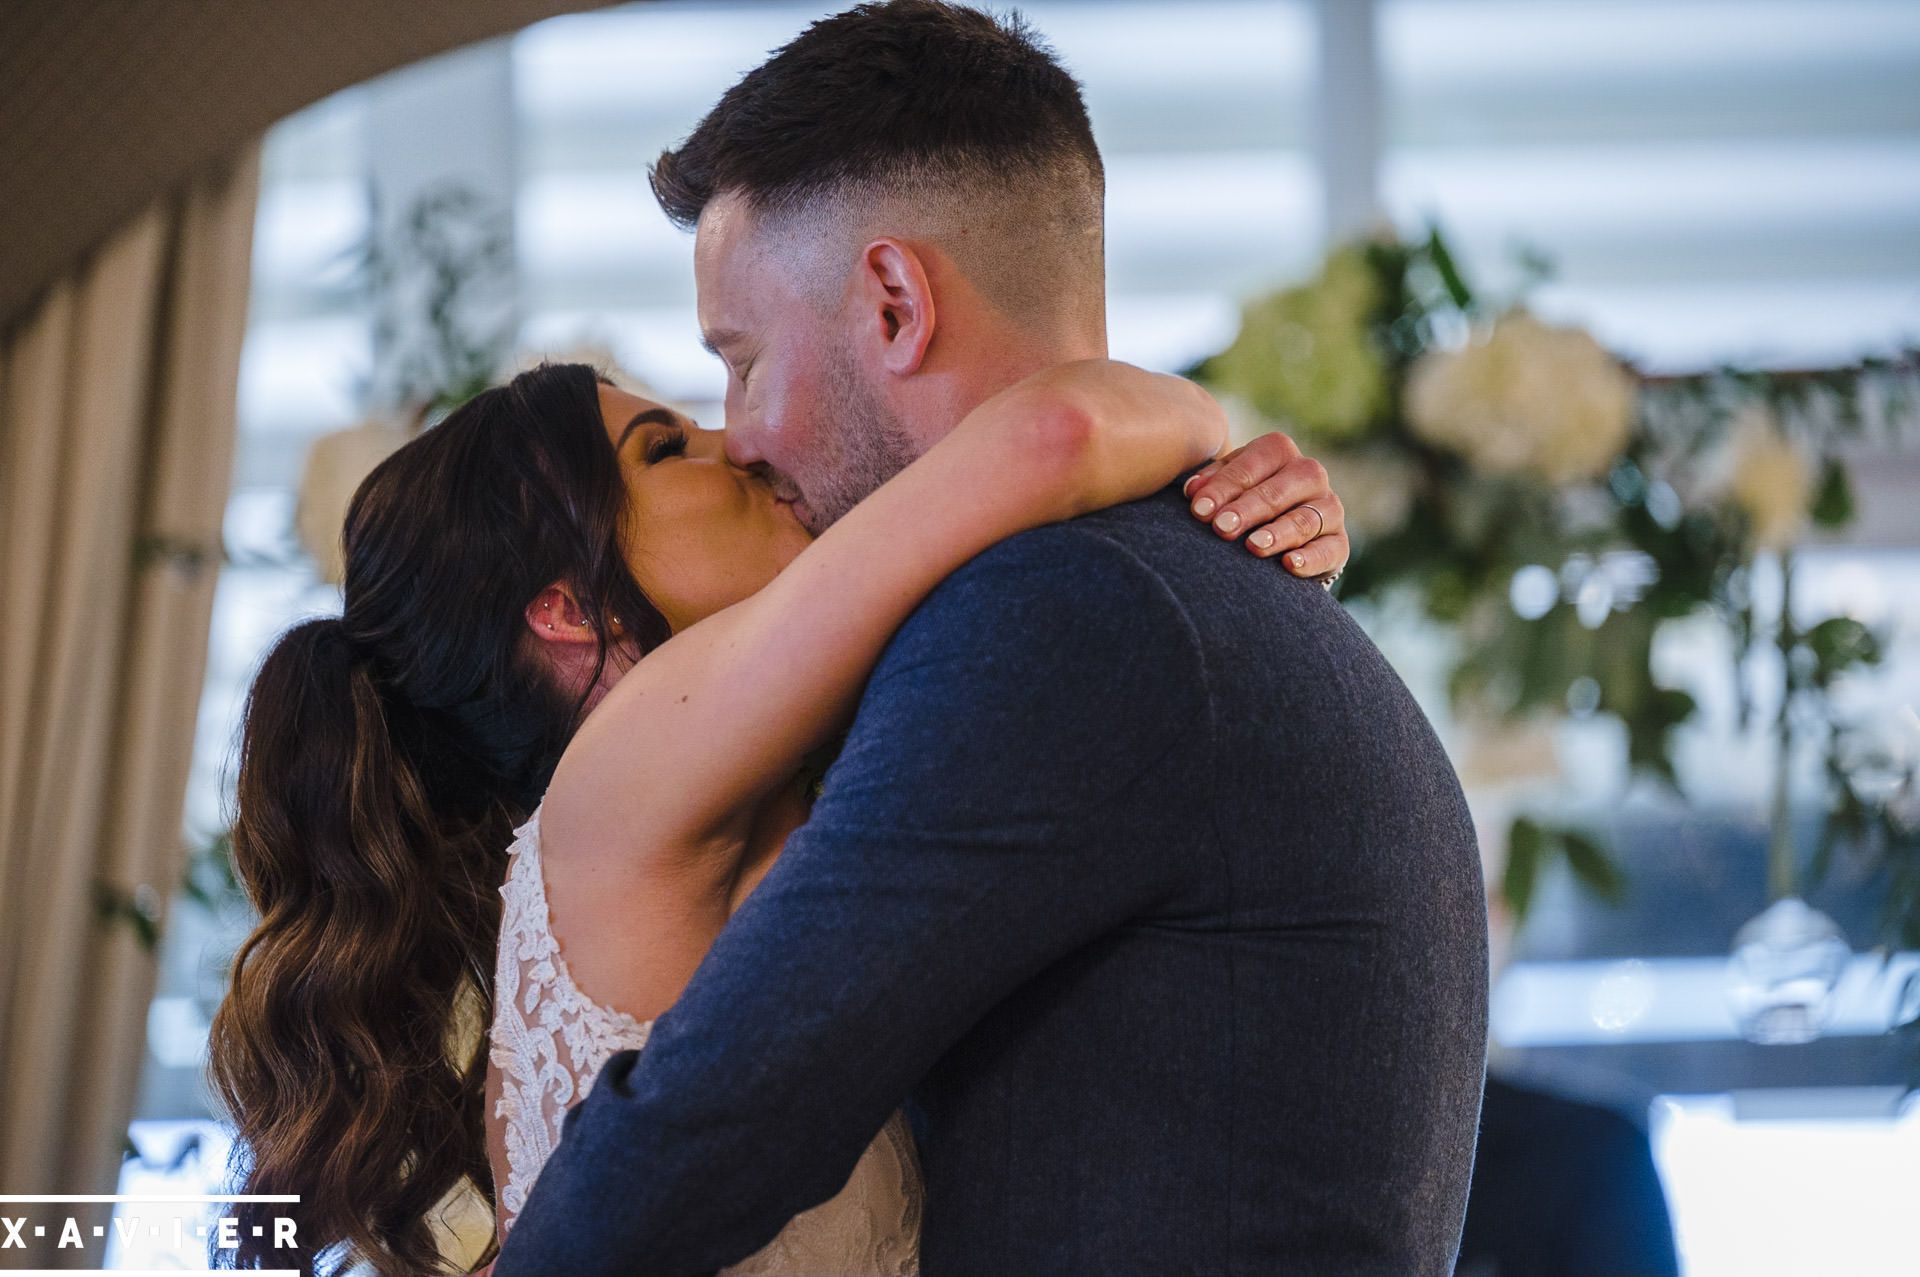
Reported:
(958, 120)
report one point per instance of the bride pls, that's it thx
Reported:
(493, 815)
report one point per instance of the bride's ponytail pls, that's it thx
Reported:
(386, 757)
(376, 923)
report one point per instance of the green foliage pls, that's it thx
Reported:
(1592, 867)
(1532, 846)
(1837, 645)
(138, 910)
(1670, 530)
(187, 558)
(1833, 502)
(1873, 813)
(208, 881)
(1526, 849)
(439, 279)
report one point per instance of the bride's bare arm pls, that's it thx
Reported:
(709, 723)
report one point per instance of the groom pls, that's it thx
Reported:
(1140, 878)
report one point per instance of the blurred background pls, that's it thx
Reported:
(1601, 312)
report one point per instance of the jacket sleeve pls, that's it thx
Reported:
(1046, 695)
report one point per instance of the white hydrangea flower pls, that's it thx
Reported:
(1533, 398)
(1769, 478)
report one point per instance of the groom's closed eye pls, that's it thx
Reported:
(721, 343)
(721, 340)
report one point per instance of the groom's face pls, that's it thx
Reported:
(800, 408)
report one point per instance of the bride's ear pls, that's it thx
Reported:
(555, 616)
(897, 299)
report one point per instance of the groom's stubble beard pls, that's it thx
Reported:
(862, 443)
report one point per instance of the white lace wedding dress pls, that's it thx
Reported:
(548, 1041)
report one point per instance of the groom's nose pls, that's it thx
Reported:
(739, 447)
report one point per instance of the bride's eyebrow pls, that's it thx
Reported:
(647, 417)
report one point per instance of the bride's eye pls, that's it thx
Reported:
(672, 443)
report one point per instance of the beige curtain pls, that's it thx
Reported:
(117, 399)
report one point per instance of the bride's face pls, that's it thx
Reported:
(699, 533)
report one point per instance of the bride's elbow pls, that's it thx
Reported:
(1061, 437)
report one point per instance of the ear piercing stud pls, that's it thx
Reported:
(583, 624)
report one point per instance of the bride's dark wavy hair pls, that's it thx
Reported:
(386, 758)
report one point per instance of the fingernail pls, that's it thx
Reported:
(1263, 538)
(1299, 560)
(1203, 507)
(1228, 521)
(1187, 487)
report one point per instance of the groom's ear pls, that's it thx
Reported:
(897, 301)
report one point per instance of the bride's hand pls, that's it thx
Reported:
(1279, 500)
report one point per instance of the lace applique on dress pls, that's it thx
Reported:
(539, 1012)
(548, 1040)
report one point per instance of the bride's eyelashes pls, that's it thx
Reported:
(671, 443)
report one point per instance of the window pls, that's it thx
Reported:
(1717, 179)
(1211, 191)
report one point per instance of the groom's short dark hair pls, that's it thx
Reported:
(920, 100)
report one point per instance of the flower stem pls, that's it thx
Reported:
(1780, 832)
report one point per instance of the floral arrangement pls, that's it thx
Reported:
(1556, 507)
